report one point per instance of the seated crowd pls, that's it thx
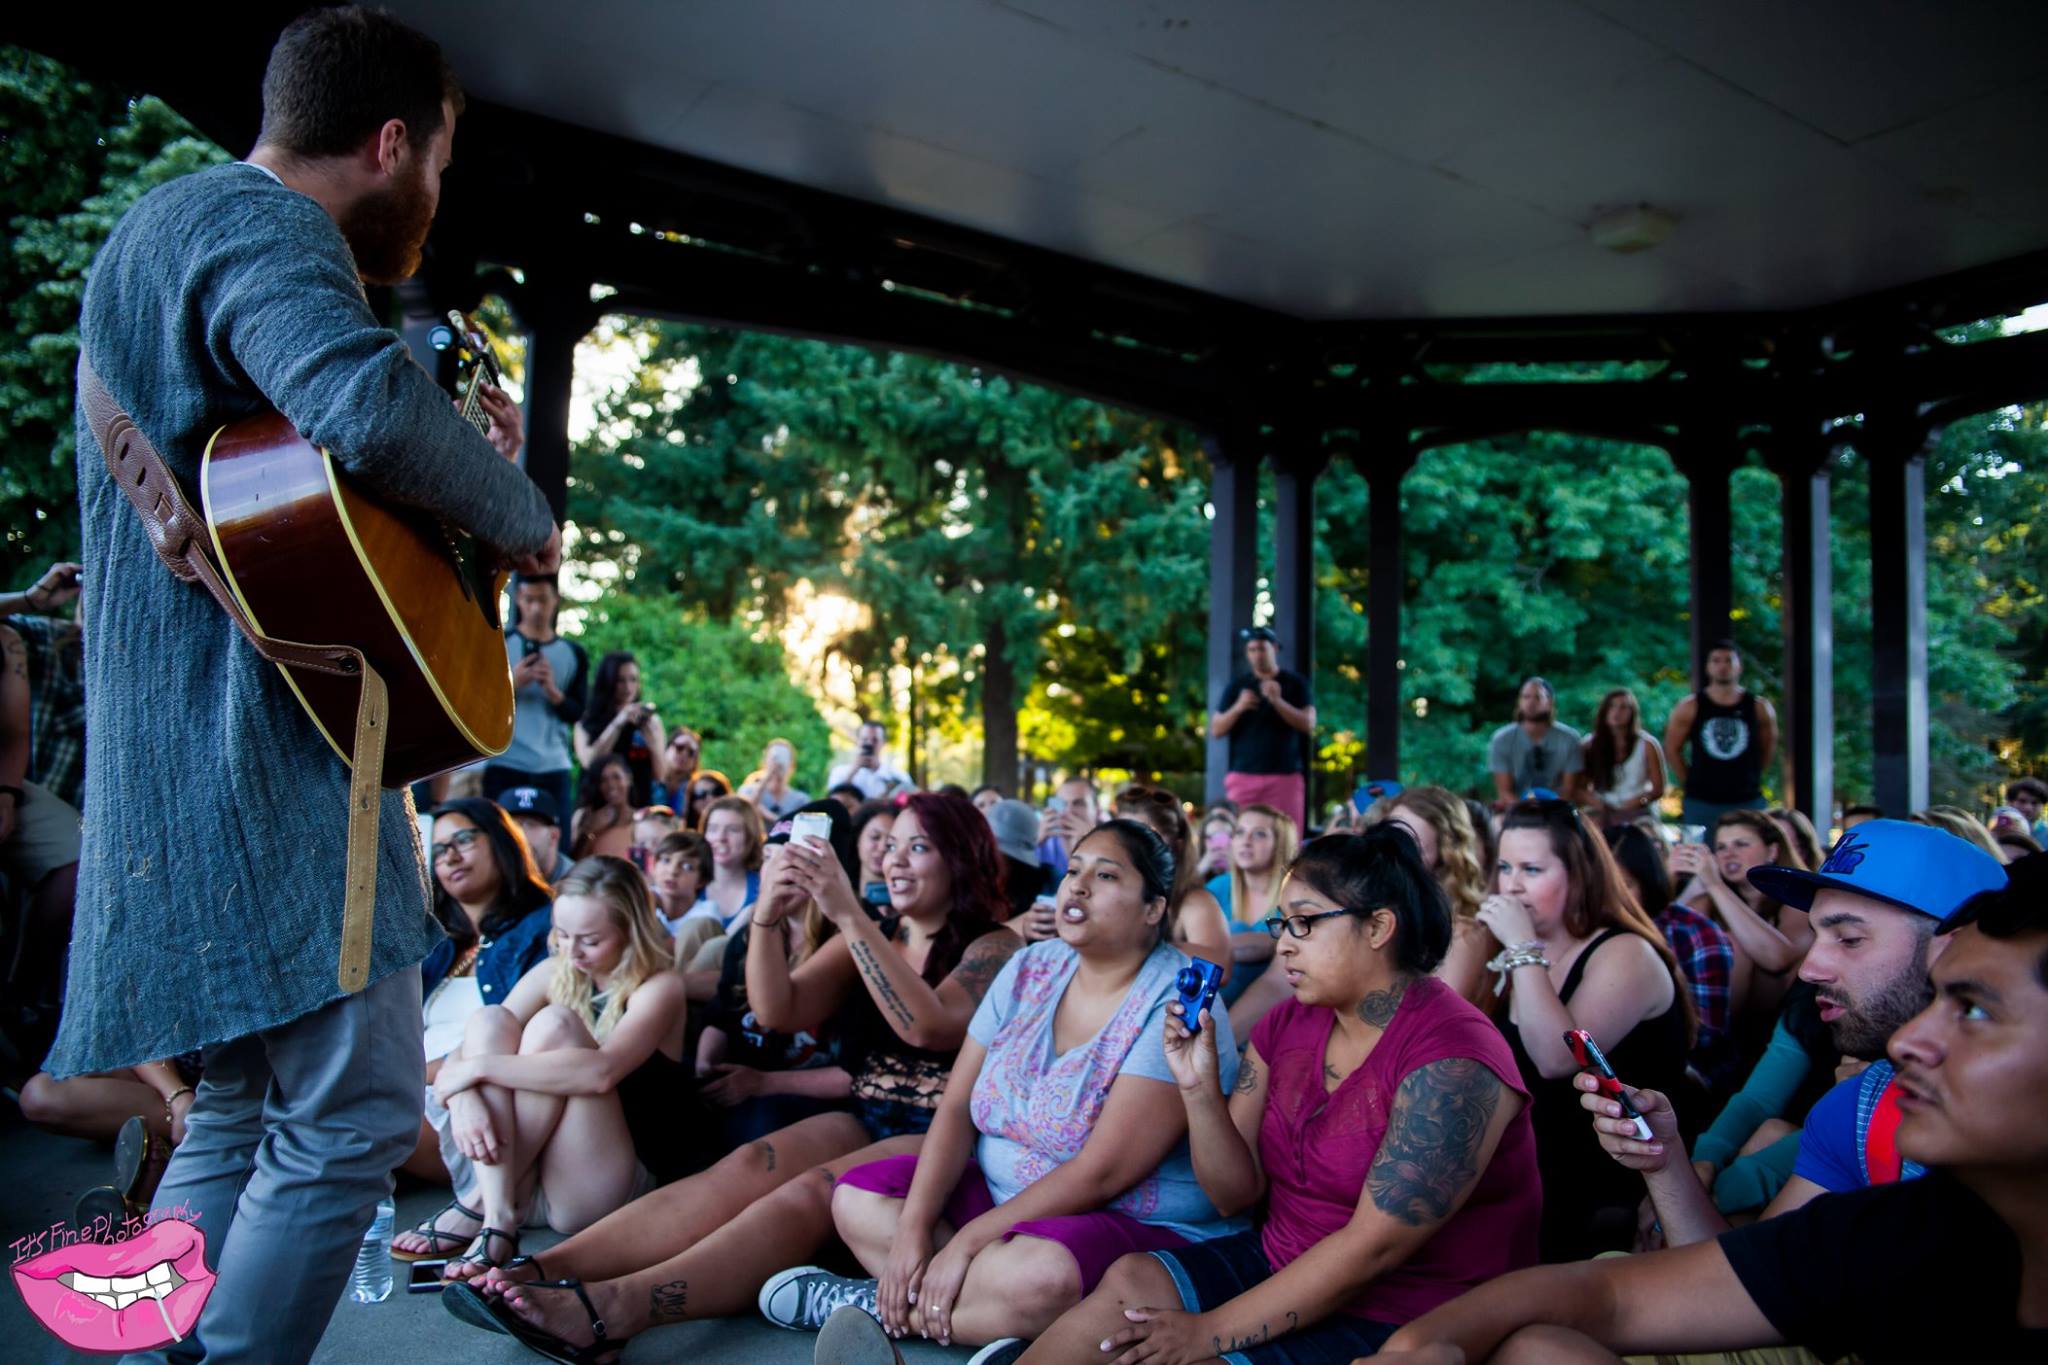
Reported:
(937, 1066)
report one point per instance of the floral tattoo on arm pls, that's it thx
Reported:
(1430, 1155)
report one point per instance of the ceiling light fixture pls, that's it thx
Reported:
(1628, 230)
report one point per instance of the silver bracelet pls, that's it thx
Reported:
(1510, 960)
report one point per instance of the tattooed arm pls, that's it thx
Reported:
(926, 1016)
(1447, 1120)
(1223, 1130)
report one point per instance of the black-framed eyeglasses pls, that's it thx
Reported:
(461, 838)
(1300, 925)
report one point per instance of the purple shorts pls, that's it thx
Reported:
(1094, 1240)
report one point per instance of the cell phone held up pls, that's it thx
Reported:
(1196, 986)
(1590, 1058)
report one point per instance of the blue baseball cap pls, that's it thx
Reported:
(1915, 867)
(1374, 789)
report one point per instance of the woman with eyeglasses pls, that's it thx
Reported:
(1581, 954)
(1378, 1119)
(493, 902)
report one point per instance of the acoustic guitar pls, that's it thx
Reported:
(314, 558)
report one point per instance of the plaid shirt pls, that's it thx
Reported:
(56, 706)
(1708, 960)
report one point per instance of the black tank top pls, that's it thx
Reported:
(1722, 767)
(1589, 1199)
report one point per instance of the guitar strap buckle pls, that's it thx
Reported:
(178, 534)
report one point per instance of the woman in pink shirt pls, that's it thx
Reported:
(1380, 1117)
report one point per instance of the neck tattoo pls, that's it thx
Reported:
(1378, 1008)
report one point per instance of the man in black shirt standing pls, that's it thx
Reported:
(1952, 1266)
(1720, 740)
(1269, 715)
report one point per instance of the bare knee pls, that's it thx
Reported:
(1129, 1278)
(490, 1029)
(555, 1027)
(809, 1194)
(751, 1161)
(863, 1213)
(42, 1100)
(1040, 1277)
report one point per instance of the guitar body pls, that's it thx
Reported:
(316, 560)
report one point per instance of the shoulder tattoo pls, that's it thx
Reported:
(1430, 1155)
(983, 961)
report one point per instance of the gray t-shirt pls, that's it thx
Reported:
(540, 730)
(1532, 764)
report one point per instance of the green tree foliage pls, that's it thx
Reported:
(1568, 557)
(94, 152)
(747, 700)
(972, 516)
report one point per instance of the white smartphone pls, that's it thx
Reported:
(814, 825)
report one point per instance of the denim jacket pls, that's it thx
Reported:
(500, 961)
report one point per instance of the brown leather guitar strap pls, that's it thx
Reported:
(180, 538)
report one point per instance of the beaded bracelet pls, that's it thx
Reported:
(1511, 959)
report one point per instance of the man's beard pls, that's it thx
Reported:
(387, 228)
(1525, 713)
(1866, 1026)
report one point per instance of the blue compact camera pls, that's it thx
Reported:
(1197, 984)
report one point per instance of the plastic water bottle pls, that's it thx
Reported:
(371, 1282)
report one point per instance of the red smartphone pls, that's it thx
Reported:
(1591, 1058)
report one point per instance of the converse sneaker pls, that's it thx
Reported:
(802, 1297)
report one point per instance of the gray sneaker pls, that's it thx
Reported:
(851, 1337)
(1003, 1352)
(801, 1298)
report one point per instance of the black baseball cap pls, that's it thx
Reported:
(1250, 633)
(531, 802)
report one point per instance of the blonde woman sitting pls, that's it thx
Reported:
(568, 1098)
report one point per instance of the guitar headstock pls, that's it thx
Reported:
(476, 345)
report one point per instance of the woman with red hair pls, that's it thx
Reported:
(899, 990)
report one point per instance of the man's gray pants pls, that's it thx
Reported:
(289, 1144)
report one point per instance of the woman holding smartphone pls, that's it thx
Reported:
(1378, 1118)
(1050, 1156)
(1581, 954)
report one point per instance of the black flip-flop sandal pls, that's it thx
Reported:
(471, 1305)
(546, 1343)
(437, 1237)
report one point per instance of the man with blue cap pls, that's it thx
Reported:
(1875, 904)
(1951, 1266)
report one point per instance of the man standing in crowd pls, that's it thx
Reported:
(540, 820)
(1875, 904)
(1072, 812)
(2028, 796)
(1269, 714)
(216, 820)
(1951, 1266)
(550, 680)
(870, 769)
(1720, 740)
(1534, 750)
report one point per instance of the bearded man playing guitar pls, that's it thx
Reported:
(216, 808)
